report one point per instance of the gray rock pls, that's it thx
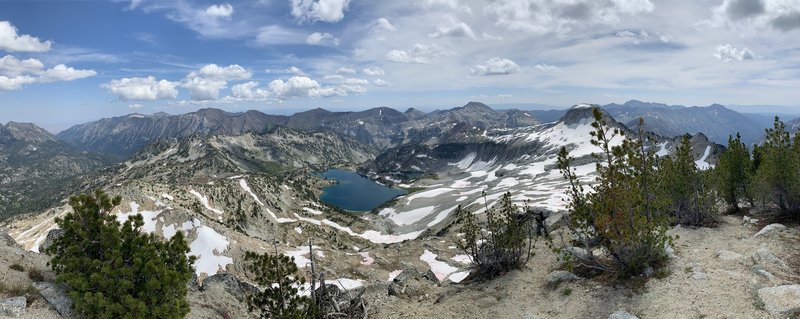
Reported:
(765, 274)
(430, 275)
(555, 221)
(577, 253)
(231, 284)
(50, 238)
(669, 251)
(727, 255)
(622, 314)
(699, 275)
(56, 296)
(649, 271)
(7, 240)
(781, 301)
(13, 307)
(193, 284)
(762, 257)
(559, 276)
(410, 284)
(769, 230)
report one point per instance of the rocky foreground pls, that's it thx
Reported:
(741, 269)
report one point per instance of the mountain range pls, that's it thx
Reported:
(37, 169)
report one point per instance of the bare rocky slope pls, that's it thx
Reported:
(36, 168)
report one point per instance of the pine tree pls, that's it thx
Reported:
(733, 173)
(685, 188)
(119, 272)
(623, 210)
(280, 298)
(777, 178)
(505, 245)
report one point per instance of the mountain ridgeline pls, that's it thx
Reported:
(378, 127)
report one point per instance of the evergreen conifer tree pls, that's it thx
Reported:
(777, 178)
(623, 210)
(733, 173)
(119, 272)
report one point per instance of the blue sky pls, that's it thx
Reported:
(67, 62)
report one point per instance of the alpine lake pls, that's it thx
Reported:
(355, 193)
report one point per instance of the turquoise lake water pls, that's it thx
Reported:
(354, 192)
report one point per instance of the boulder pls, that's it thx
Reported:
(56, 296)
(52, 235)
(555, 221)
(559, 276)
(766, 274)
(577, 253)
(781, 301)
(430, 275)
(7, 240)
(763, 258)
(13, 307)
(727, 255)
(231, 284)
(770, 230)
(669, 251)
(622, 314)
(410, 284)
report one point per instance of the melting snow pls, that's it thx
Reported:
(701, 163)
(208, 244)
(464, 163)
(412, 216)
(148, 217)
(440, 269)
(204, 201)
(367, 259)
(394, 274)
(246, 188)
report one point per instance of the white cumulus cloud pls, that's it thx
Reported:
(319, 10)
(249, 91)
(224, 11)
(11, 41)
(495, 66)
(373, 71)
(301, 86)
(16, 73)
(544, 67)
(216, 72)
(384, 24)
(206, 83)
(318, 38)
(453, 28)
(421, 54)
(379, 82)
(136, 88)
(344, 70)
(728, 53)
(64, 73)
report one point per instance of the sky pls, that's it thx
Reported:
(68, 62)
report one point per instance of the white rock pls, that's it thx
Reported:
(13, 307)
(622, 314)
(769, 230)
(727, 255)
(781, 301)
(763, 258)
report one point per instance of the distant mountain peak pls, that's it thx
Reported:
(28, 132)
(476, 105)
